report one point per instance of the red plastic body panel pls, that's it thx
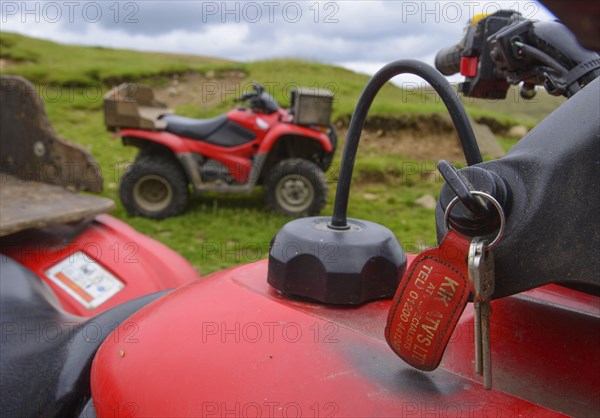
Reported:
(176, 143)
(129, 255)
(229, 345)
(238, 160)
(289, 129)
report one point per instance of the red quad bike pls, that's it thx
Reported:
(286, 151)
(316, 330)
(69, 273)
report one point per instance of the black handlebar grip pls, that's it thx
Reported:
(447, 61)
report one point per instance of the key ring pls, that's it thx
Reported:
(494, 202)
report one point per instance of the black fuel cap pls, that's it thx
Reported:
(309, 259)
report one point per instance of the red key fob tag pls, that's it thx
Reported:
(428, 303)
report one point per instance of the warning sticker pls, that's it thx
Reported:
(85, 280)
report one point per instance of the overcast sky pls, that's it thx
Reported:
(360, 35)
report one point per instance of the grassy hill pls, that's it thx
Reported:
(222, 230)
(45, 62)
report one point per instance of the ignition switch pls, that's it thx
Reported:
(473, 216)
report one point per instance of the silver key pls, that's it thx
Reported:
(481, 277)
(474, 261)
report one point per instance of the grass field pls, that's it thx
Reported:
(223, 230)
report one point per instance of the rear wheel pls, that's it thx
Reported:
(154, 187)
(296, 188)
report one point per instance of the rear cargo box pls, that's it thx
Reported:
(133, 106)
(312, 106)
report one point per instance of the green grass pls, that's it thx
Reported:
(223, 230)
(48, 62)
(514, 109)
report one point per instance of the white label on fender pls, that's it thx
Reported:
(85, 280)
(263, 125)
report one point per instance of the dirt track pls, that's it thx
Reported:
(426, 137)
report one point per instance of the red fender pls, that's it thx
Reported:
(114, 246)
(236, 159)
(169, 140)
(288, 129)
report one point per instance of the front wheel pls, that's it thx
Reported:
(154, 187)
(296, 188)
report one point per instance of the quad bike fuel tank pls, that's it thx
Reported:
(231, 344)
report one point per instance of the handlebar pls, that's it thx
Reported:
(258, 90)
(509, 49)
(447, 61)
(244, 97)
(259, 100)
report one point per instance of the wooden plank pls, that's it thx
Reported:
(29, 204)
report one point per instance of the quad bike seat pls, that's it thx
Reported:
(47, 353)
(193, 128)
(218, 131)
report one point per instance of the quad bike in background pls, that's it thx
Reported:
(304, 333)
(286, 151)
(69, 273)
